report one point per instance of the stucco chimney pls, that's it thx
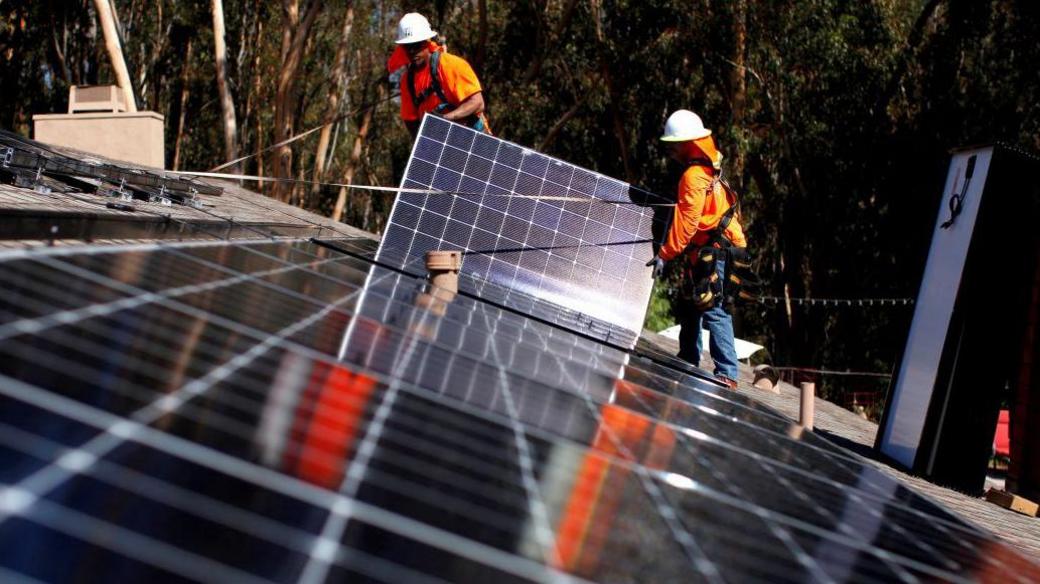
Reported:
(97, 122)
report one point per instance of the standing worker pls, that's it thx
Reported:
(704, 234)
(435, 81)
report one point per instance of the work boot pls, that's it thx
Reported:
(730, 383)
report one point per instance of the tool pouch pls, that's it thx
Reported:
(700, 285)
(741, 284)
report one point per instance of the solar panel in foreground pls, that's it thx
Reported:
(279, 412)
(587, 254)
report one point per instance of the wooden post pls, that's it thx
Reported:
(806, 413)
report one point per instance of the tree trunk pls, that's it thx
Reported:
(904, 60)
(182, 112)
(299, 190)
(567, 116)
(227, 104)
(294, 44)
(355, 154)
(738, 91)
(91, 54)
(247, 142)
(258, 128)
(59, 47)
(482, 37)
(339, 70)
(543, 47)
(115, 52)
(612, 93)
(147, 69)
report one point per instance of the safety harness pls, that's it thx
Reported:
(476, 121)
(700, 283)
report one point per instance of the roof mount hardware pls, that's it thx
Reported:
(161, 197)
(55, 169)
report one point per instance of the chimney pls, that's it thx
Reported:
(97, 122)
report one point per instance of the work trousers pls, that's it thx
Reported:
(719, 324)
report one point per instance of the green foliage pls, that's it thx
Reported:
(659, 314)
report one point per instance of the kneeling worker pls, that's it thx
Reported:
(705, 231)
(435, 82)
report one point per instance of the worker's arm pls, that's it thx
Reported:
(461, 86)
(413, 128)
(689, 205)
(472, 105)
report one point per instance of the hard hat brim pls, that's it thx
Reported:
(416, 38)
(697, 136)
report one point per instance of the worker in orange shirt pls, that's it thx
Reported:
(704, 233)
(435, 82)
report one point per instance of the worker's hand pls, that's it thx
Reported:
(442, 111)
(658, 265)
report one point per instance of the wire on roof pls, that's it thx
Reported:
(405, 190)
(302, 135)
(356, 111)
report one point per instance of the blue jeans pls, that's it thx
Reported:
(720, 326)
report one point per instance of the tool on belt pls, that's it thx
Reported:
(700, 283)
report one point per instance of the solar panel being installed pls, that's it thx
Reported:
(281, 412)
(526, 221)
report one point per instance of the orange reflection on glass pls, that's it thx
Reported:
(330, 427)
(623, 435)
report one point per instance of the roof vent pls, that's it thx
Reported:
(95, 98)
(444, 266)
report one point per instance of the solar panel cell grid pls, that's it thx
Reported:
(550, 249)
(25, 293)
(307, 418)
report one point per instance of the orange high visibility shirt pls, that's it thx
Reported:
(458, 81)
(698, 211)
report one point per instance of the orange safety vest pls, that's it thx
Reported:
(445, 82)
(702, 201)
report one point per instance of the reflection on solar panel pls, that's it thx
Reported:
(280, 412)
(502, 206)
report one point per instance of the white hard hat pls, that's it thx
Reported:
(414, 28)
(684, 125)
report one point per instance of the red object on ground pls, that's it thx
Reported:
(1002, 439)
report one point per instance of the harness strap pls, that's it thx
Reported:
(434, 87)
(477, 122)
(700, 284)
(717, 236)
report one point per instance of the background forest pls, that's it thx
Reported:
(836, 117)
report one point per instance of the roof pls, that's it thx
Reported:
(72, 206)
(286, 408)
